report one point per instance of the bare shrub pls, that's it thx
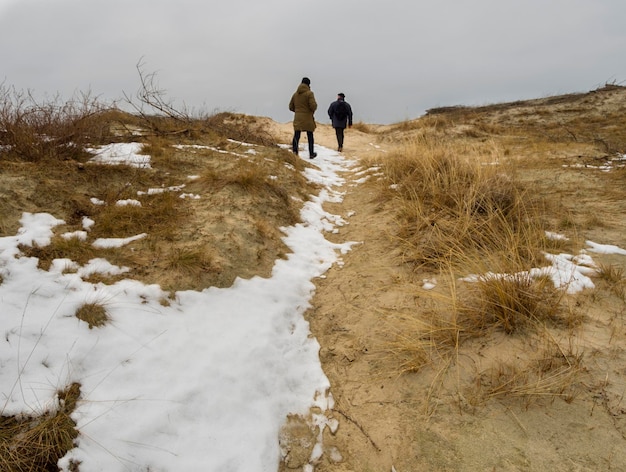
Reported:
(157, 112)
(159, 116)
(33, 130)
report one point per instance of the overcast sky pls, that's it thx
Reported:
(394, 59)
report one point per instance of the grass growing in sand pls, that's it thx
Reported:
(474, 191)
(453, 200)
(209, 209)
(470, 191)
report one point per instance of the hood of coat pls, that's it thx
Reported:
(303, 88)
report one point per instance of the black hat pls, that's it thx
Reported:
(306, 80)
(342, 95)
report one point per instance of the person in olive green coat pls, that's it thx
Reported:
(303, 104)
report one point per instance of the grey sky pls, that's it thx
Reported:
(393, 59)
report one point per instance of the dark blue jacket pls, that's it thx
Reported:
(337, 123)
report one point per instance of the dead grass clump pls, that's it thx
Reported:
(190, 261)
(155, 146)
(613, 276)
(255, 182)
(450, 205)
(476, 315)
(242, 128)
(60, 248)
(469, 187)
(551, 373)
(94, 314)
(111, 183)
(418, 342)
(36, 443)
(438, 122)
(513, 380)
(461, 211)
(512, 303)
(214, 180)
(611, 273)
(362, 127)
(157, 215)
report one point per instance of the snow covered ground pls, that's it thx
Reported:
(203, 384)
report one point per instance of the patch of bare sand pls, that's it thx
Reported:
(407, 422)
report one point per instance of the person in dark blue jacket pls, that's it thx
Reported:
(340, 113)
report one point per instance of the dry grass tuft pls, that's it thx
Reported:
(158, 215)
(512, 303)
(420, 341)
(190, 261)
(60, 248)
(94, 314)
(611, 273)
(551, 373)
(242, 128)
(363, 127)
(243, 174)
(36, 443)
(451, 204)
(156, 146)
(613, 276)
(255, 182)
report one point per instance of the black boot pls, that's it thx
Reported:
(295, 142)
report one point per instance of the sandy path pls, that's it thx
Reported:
(384, 423)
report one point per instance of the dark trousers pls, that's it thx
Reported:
(309, 138)
(339, 133)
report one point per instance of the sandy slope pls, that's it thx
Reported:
(419, 421)
(390, 422)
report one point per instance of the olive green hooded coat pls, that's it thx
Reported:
(304, 105)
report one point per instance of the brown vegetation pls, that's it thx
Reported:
(239, 189)
(434, 370)
(457, 375)
(36, 443)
